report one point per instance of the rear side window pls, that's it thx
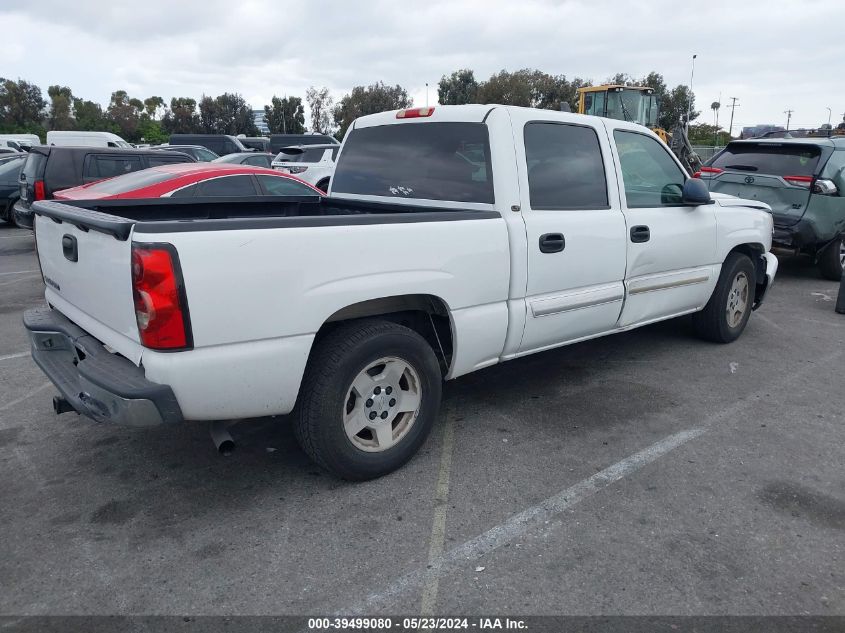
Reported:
(205, 155)
(131, 182)
(261, 160)
(650, 175)
(565, 168)
(184, 192)
(97, 167)
(777, 159)
(281, 186)
(34, 166)
(227, 186)
(155, 161)
(431, 161)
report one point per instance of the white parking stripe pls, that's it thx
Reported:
(9, 405)
(19, 272)
(438, 527)
(18, 355)
(520, 523)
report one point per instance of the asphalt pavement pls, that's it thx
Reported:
(642, 473)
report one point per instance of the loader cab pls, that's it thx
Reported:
(637, 104)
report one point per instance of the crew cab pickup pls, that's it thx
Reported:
(452, 239)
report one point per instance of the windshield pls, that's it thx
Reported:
(635, 106)
(431, 161)
(770, 158)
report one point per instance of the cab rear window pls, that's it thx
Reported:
(427, 161)
(770, 158)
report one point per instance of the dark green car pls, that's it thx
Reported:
(802, 180)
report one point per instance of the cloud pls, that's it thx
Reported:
(757, 51)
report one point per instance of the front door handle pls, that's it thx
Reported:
(640, 234)
(552, 242)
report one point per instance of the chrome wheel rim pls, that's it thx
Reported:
(737, 300)
(842, 253)
(382, 404)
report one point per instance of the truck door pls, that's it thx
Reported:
(574, 227)
(671, 247)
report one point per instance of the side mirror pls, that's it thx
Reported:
(695, 192)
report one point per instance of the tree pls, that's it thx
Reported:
(530, 88)
(182, 117)
(370, 99)
(125, 113)
(458, 88)
(60, 115)
(21, 106)
(285, 115)
(89, 116)
(674, 106)
(705, 134)
(226, 114)
(152, 105)
(320, 104)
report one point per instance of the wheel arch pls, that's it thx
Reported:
(428, 315)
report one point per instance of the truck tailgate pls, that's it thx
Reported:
(88, 278)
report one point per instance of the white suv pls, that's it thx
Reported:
(312, 163)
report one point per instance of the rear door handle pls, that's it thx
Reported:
(70, 248)
(640, 234)
(552, 243)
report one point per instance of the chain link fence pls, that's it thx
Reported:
(706, 152)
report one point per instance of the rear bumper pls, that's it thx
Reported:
(23, 215)
(802, 236)
(103, 386)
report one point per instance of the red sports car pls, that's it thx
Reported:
(185, 180)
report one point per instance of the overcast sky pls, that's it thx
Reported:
(773, 55)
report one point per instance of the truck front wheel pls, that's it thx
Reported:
(369, 398)
(724, 317)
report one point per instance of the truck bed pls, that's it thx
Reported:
(168, 215)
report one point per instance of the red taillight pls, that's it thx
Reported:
(707, 170)
(40, 194)
(799, 181)
(414, 113)
(161, 308)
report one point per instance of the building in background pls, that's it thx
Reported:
(258, 117)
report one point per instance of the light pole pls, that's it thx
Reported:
(829, 114)
(426, 94)
(733, 107)
(689, 102)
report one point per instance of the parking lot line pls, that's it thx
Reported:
(9, 405)
(11, 356)
(14, 281)
(18, 272)
(520, 523)
(438, 527)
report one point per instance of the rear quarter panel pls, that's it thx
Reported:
(257, 297)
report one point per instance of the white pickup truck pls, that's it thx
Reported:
(453, 238)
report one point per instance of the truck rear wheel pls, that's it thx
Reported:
(724, 317)
(832, 260)
(368, 400)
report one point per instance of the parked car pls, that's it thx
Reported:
(278, 141)
(355, 308)
(9, 189)
(197, 152)
(5, 149)
(312, 163)
(258, 143)
(25, 141)
(201, 180)
(86, 139)
(257, 159)
(802, 180)
(49, 169)
(220, 144)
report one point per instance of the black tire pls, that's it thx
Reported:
(712, 322)
(830, 260)
(323, 185)
(335, 362)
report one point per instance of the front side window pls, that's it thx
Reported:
(227, 186)
(650, 176)
(565, 167)
(430, 161)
